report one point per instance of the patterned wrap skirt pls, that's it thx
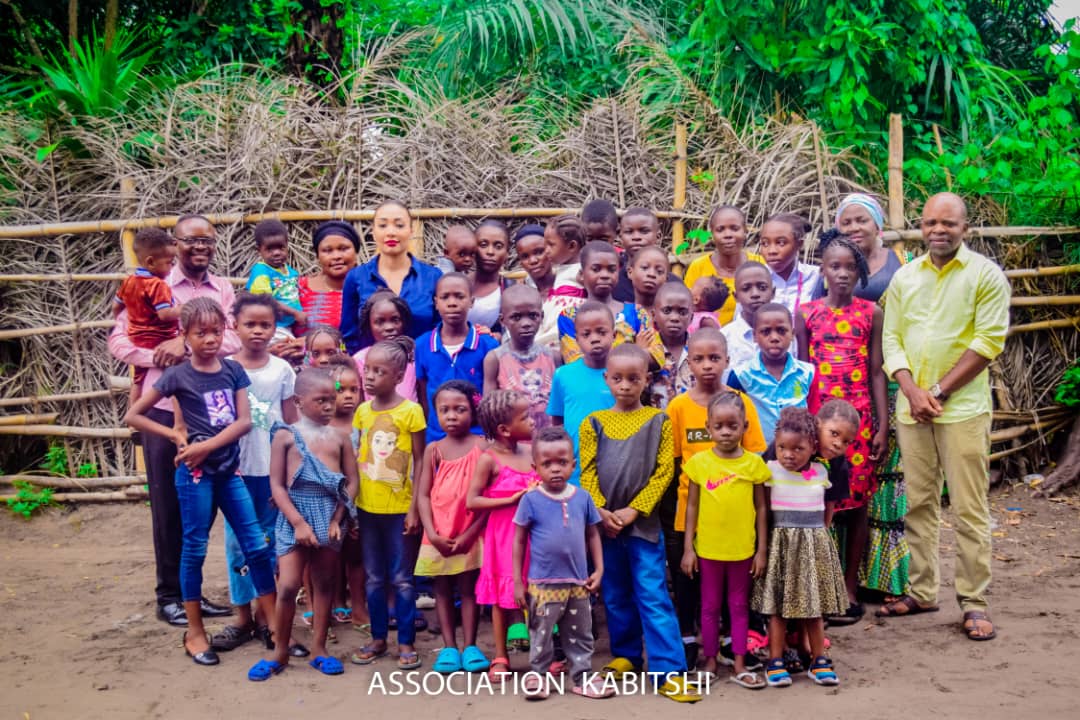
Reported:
(803, 578)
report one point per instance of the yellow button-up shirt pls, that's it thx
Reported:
(932, 316)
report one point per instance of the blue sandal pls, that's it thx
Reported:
(776, 673)
(474, 660)
(448, 661)
(264, 670)
(327, 665)
(821, 671)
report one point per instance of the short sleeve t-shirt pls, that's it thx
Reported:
(726, 517)
(690, 435)
(271, 386)
(386, 452)
(208, 404)
(143, 294)
(283, 285)
(557, 526)
(576, 391)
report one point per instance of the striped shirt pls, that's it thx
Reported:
(797, 499)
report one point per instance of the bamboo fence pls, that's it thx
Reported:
(250, 151)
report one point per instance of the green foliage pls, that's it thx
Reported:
(29, 499)
(56, 460)
(1068, 391)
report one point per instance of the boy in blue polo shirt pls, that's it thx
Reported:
(454, 350)
(578, 388)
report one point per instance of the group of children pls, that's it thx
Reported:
(598, 428)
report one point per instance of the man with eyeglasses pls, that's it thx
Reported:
(196, 241)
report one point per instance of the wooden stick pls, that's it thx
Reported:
(69, 483)
(1073, 322)
(1045, 300)
(168, 221)
(84, 277)
(677, 230)
(993, 231)
(941, 151)
(1040, 438)
(33, 419)
(896, 171)
(1020, 430)
(64, 397)
(64, 431)
(1042, 271)
(127, 235)
(71, 327)
(618, 152)
(128, 495)
(820, 173)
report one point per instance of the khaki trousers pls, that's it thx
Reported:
(956, 452)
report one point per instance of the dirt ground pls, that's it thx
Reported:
(79, 640)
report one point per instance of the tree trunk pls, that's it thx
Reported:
(1067, 473)
(73, 25)
(112, 11)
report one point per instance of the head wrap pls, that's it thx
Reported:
(865, 201)
(528, 230)
(335, 227)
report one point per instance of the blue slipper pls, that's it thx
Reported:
(473, 660)
(327, 665)
(264, 670)
(448, 661)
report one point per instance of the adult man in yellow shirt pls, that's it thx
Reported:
(946, 315)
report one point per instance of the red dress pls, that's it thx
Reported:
(839, 348)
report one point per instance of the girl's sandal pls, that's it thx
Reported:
(821, 671)
(594, 689)
(500, 667)
(534, 688)
(749, 680)
(342, 615)
(776, 674)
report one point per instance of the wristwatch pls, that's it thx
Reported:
(937, 393)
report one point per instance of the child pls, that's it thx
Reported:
(726, 530)
(216, 414)
(274, 276)
(753, 288)
(523, 365)
(671, 316)
(532, 253)
(564, 237)
(578, 388)
(710, 293)
(648, 269)
(386, 316)
(638, 228)
(727, 225)
(314, 482)
(600, 221)
(775, 379)
(706, 354)
(347, 384)
(454, 350)
(626, 464)
(781, 241)
(558, 522)
(492, 250)
(503, 474)
(321, 343)
(270, 396)
(147, 297)
(449, 551)
(599, 268)
(459, 250)
(391, 448)
(802, 580)
(841, 335)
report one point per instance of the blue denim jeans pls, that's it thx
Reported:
(241, 589)
(199, 502)
(637, 603)
(389, 559)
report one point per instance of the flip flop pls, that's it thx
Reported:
(363, 628)
(972, 632)
(821, 671)
(473, 660)
(342, 615)
(749, 680)
(448, 661)
(591, 690)
(308, 618)
(912, 605)
(408, 660)
(327, 665)
(264, 670)
(776, 675)
(367, 655)
(534, 688)
(618, 667)
(675, 689)
(494, 674)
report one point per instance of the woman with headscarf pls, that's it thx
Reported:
(393, 267)
(885, 563)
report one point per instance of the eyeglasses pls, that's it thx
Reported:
(197, 240)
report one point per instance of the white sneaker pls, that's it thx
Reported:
(424, 602)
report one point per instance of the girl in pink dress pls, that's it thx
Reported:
(503, 474)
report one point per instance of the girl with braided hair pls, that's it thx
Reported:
(841, 335)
